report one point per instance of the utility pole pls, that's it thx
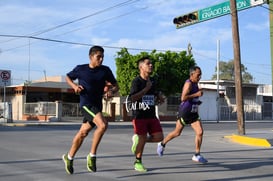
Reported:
(218, 66)
(237, 68)
(270, 2)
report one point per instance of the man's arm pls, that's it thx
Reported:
(77, 88)
(112, 91)
(186, 92)
(138, 95)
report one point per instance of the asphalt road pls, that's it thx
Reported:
(33, 153)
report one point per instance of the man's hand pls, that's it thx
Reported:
(78, 89)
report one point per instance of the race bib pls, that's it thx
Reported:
(149, 100)
(194, 108)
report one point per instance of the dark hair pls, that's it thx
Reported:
(142, 59)
(95, 49)
(194, 68)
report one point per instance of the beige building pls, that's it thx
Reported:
(53, 99)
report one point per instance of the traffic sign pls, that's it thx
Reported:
(224, 8)
(215, 11)
(5, 77)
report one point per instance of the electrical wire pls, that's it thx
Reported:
(128, 2)
(77, 43)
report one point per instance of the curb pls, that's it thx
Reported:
(37, 124)
(261, 142)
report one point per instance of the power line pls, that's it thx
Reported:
(76, 43)
(85, 17)
(102, 22)
(266, 8)
(33, 35)
(101, 11)
(128, 2)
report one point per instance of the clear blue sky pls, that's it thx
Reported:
(136, 24)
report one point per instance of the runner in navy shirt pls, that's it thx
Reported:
(93, 82)
(92, 79)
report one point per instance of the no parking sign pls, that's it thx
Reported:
(5, 77)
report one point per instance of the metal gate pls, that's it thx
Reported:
(267, 110)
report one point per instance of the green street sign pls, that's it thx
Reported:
(221, 9)
(213, 12)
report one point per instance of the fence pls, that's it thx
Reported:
(5, 112)
(40, 108)
(71, 110)
(59, 110)
(66, 110)
(251, 112)
(268, 110)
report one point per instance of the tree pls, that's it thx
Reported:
(226, 72)
(171, 69)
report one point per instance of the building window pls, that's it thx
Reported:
(173, 103)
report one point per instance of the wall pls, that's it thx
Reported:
(17, 107)
(208, 108)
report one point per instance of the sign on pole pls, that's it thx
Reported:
(213, 12)
(224, 8)
(5, 78)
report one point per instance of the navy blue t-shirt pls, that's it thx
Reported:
(93, 81)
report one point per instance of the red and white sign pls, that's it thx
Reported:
(5, 77)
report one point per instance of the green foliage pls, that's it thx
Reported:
(226, 72)
(171, 69)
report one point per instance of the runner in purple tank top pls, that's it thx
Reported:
(188, 109)
(188, 115)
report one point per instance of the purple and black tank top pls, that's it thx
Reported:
(188, 110)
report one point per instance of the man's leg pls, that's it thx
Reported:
(140, 146)
(198, 129)
(102, 125)
(139, 141)
(76, 143)
(155, 137)
(155, 131)
(175, 133)
(138, 153)
(78, 139)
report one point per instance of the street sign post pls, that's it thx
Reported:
(5, 78)
(215, 12)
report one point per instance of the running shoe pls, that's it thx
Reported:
(135, 142)
(139, 166)
(68, 164)
(160, 149)
(91, 163)
(199, 158)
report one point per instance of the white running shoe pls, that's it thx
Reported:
(199, 158)
(160, 149)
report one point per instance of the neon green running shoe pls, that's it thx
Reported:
(139, 167)
(91, 163)
(135, 142)
(68, 164)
